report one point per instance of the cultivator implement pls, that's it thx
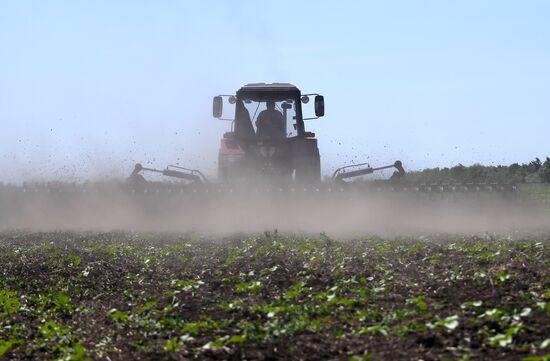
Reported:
(12, 196)
(223, 208)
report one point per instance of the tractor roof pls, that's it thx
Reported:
(260, 90)
(269, 87)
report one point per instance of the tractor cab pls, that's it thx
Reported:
(250, 101)
(268, 139)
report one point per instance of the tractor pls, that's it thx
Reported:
(268, 141)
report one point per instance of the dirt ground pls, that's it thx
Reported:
(142, 296)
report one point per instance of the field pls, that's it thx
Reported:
(130, 296)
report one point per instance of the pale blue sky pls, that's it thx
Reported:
(88, 88)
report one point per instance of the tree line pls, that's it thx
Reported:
(533, 172)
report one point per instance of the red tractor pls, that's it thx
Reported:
(268, 142)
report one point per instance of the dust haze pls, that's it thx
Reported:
(345, 215)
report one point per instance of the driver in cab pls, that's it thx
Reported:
(270, 122)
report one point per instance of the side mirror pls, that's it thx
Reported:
(217, 107)
(319, 105)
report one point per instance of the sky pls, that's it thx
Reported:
(88, 88)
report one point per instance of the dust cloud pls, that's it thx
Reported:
(223, 212)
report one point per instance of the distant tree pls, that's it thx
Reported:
(544, 171)
(476, 173)
(514, 168)
(534, 171)
(534, 166)
(459, 172)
